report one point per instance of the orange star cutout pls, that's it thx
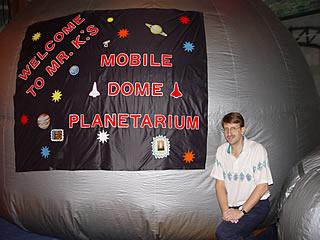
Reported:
(123, 33)
(188, 157)
(184, 20)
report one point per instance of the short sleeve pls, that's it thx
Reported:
(217, 171)
(261, 167)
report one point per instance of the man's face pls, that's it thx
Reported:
(233, 132)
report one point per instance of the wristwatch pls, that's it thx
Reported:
(242, 209)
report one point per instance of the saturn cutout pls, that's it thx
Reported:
(156, 29)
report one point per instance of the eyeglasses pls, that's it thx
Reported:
(232, 130)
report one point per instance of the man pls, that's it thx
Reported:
(242, 176)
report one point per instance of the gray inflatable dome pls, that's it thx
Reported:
(254, 67)
(299, 208)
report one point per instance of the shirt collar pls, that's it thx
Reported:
(229, 147)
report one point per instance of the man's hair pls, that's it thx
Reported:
(233, 117)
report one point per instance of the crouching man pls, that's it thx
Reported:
(242, 174)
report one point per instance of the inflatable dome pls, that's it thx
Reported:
(299, 206)
(111, 110)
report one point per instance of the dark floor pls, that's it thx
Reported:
(269, 233)
(9, 231)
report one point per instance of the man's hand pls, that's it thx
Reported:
(232, 215)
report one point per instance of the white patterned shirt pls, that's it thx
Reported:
(241, 175)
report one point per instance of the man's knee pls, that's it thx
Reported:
(223, 231)
(220, 235)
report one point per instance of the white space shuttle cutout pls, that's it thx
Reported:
(94, 92)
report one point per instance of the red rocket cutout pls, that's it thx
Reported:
(176, 93)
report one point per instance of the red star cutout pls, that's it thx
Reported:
(24, 119)
(184, 20)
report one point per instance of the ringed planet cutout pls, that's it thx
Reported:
(156, 29)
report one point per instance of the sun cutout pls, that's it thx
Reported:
(36, 36)
(123, 33)
(103, 136)
(24, 119)
(184, 20)
(188, 157)
(56, 96)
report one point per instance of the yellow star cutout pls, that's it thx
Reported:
(36, 36)
(56, 96)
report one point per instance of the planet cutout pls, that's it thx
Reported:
(74, 70)
(43, 121)
(156, 29)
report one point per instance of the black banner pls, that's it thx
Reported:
(113, 90)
